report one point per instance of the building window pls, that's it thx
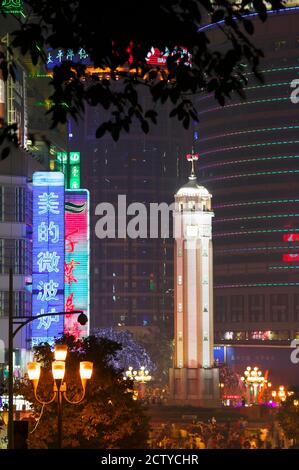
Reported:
(20, 256)
(237, 308)
(19, 303)
(221, 309)
(279, 44)
(3, 306)
(279, 307)
(180, 280)
(191, 205)
(180, 307)
(14, 254)
(296, 307)
(20, 204)
(256, 308)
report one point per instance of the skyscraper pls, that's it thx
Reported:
(131, 280)
(249, 161)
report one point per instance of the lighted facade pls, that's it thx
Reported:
(193, 378)
(76, 265)
(70, 165)
(131, 280)
(16, 250)
(48, 255)
(250, 162)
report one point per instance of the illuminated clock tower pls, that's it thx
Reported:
(193, 379)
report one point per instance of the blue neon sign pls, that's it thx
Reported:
(48, 255)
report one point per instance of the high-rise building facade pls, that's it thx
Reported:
(249, 161)
(131, 280)
(16, 246)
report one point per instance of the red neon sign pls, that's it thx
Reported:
(291, 237)
(290, 257)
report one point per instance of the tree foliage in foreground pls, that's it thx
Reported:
(107, 418)
(288, 417)
(118, 35)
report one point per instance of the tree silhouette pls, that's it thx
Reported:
(108, 417)
(118, 38)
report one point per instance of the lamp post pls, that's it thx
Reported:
(281, 394)
(21, 321)
(141, 377)
(254, 381)
(59, 386)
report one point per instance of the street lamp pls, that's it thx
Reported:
(281, 394)
(60, 387)
(254, 381)
(141, 377)
(21, 321)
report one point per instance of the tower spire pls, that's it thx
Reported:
(192, 157)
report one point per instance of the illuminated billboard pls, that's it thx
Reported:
(69, 164)
(56, 56)
(47, 255)
(76, 259)
(291, 237)
(289, 257)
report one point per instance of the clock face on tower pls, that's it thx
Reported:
(191, 231)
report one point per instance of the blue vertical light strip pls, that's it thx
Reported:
(48, 255)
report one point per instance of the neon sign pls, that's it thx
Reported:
(291, 237)
(73, 158)
(155, 56)
(56, 57)
(76, 264)
(290, 257)
(12, 6)
(47, 255)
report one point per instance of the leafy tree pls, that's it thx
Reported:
(288, 417)
(231, 381)
(108, 417)
(131, 352)
(162, 356)
(118, 39)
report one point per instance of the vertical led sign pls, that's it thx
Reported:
(76, 259)
(48, 255)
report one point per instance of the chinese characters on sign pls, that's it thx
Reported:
(48, 255)
(76, 264)
(56, 57)
(70, 166)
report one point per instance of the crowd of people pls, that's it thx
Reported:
(213, 435)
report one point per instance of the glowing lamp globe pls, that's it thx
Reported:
(86, 368)
(33, 369)
(60, 352)
(58, 370)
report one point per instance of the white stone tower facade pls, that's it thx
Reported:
(193, 379)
